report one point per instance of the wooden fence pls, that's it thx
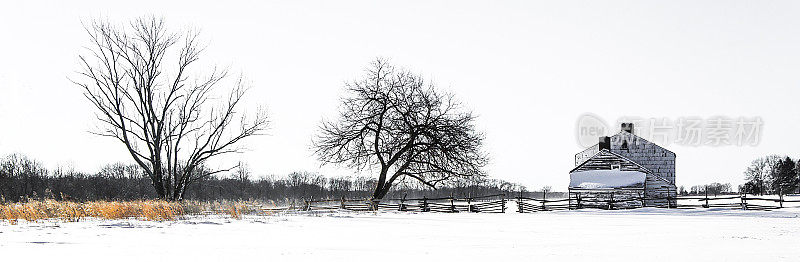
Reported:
(528, 205)
(609, 201)
(480, 204)
(499, 203)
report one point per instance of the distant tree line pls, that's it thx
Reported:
(22, 177)
(712, 189)
(772, 174)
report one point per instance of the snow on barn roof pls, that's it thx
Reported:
(599, 179)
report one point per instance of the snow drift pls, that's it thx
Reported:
(598, 179)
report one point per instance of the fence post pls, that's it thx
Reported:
(519, 205)
(569, 200)
(743, 197)
(402, 203)
(470, 209)
(611, 201)
(641, 197)
(544, 200)
(579, 200)
(425, 204)
(452, 204)
(780, 197)
(669, 201)
(503, 204)
(374, 204)
(342, 206)
(706, 197)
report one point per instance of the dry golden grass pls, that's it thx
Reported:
(34, 210)
(234, 209)
(153, 210)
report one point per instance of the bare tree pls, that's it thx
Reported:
(149, 95)
(547, 189)
(393, 123)
(760, 173)
(242, 173)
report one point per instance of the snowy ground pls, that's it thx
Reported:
(646, 234)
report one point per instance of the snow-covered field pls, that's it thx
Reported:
(646, 234)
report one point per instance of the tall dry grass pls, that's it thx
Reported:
(152, 210)
(234, 209)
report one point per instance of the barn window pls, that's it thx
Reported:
(624, 145)
(615, 166)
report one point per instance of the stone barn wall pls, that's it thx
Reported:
(645, 153)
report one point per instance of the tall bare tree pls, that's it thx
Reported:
(149, 94)
(394, 123)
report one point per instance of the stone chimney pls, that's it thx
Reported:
(627, 127)
(605, 143)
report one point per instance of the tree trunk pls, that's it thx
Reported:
(158, 184)
(180, 190)
(380, 192)
(183, 192)
(380, 187)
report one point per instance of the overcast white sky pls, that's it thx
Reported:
(529, 69)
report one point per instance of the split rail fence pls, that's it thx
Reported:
(610, 201)
(500, 203)
(481, 204)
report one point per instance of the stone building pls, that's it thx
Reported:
(624, 169)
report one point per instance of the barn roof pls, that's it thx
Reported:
(608, 152)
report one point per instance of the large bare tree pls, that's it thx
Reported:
(171, 114)
(394, 123)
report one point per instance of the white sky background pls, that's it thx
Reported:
(527, 68)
